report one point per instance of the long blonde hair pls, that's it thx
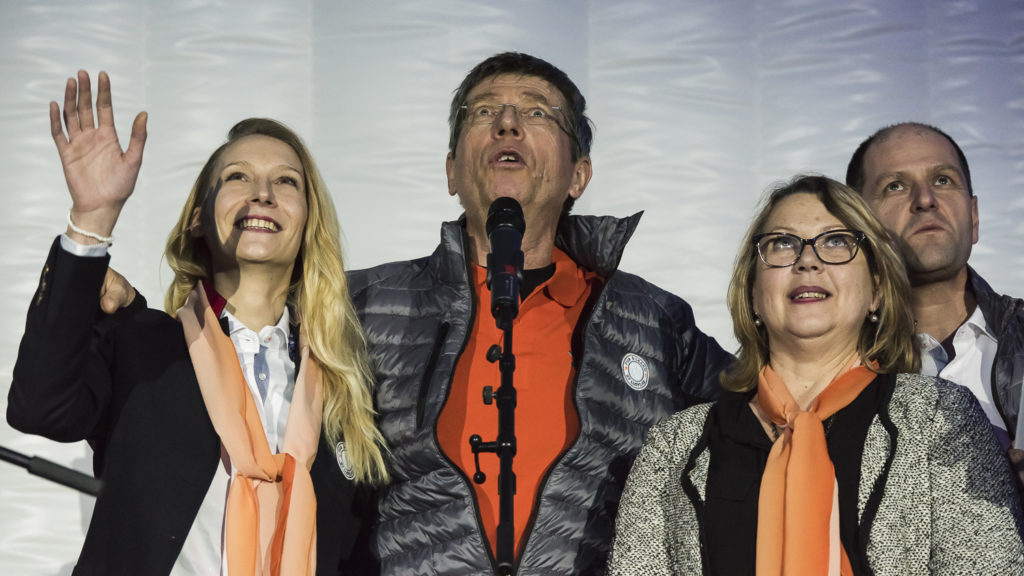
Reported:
(318, 294)
(889, 341)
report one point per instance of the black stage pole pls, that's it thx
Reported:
(52, 471)
(505, 227)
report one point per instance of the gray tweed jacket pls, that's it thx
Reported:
(946, 500)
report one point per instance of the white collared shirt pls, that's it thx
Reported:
(268, 370)
(975, 347)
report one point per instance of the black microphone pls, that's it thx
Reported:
(505, 227)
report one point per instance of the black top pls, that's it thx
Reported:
(739, 449)
(534, 278)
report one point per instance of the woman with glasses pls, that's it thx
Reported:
(234, 434)
(826, 453)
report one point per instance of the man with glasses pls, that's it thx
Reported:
(916, 180)
(601, 355)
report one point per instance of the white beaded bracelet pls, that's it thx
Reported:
(108, 240)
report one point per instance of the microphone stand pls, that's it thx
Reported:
(505, 445)
(505, 227)
(52, 471)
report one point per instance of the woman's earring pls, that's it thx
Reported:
(873, 317)
(757, 321)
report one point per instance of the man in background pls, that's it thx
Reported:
(917, 181)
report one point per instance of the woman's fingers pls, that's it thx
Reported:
(56, 130)
(71, 107)
(138, 139)
(78, 107)
(104, 103)
(85, 118)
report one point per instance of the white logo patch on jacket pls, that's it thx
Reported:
(343, 463)
(635, 371)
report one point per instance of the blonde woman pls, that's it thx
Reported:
(234, 433)
(826, 453)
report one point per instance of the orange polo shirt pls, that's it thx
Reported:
(546, 418)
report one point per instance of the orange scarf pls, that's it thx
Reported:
(798, 509)
(270, 520)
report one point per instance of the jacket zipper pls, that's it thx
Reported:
(437, 442)
(421, 404)
(528, 530)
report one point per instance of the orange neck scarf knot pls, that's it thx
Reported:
(270, 520)
(798, 509)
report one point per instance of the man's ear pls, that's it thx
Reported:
(581, 174)
(195, 223)
(974, 219)
(449, 170)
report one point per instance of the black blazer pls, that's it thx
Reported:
(126, 384)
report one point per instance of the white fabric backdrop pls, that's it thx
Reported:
(698, 107)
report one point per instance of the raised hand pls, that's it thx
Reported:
(100, 176)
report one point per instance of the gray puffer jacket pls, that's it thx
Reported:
(1004, 316)
(639, 358)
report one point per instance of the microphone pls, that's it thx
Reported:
(505, 227)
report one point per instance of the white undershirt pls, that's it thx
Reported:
(265, 364)
(975, 347)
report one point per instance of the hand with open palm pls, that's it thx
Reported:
(100, 176)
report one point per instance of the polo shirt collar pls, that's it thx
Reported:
(566, 286)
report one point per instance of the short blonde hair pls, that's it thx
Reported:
(318, 294)
(890, 342)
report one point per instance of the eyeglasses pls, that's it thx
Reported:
(779, 250)
(487, 113)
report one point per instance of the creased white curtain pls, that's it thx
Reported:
(698, 106)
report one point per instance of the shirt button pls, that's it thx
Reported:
(263, 376)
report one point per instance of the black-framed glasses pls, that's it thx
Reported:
(779, 250)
